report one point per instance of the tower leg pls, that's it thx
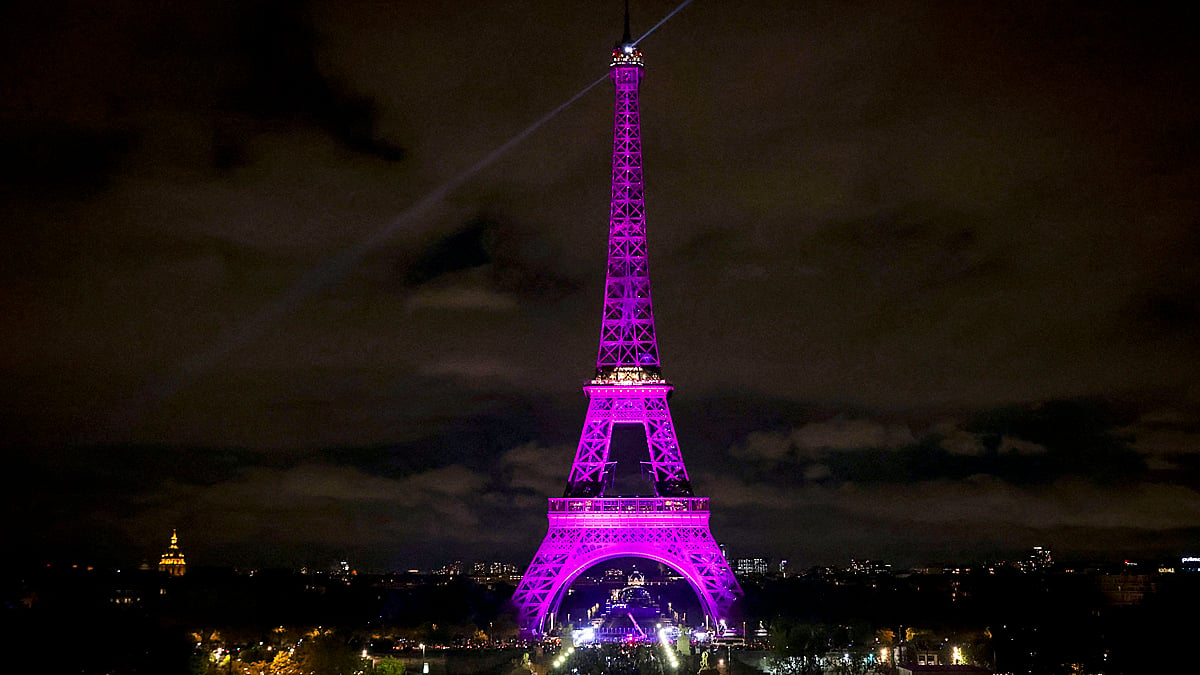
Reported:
(591, 457)
(644, 405)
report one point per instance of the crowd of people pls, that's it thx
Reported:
(617, 659)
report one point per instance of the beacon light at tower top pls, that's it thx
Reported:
(626, 55)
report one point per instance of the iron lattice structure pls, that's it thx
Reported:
(587, 527)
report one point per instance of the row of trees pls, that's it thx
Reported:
(804, 648)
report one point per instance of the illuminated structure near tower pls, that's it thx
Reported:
(172, 562)
(586, 525)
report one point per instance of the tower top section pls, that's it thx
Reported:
(626, 52)
(628, 345)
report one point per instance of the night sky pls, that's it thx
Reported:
(926, 274)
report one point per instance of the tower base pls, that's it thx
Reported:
(584, 532)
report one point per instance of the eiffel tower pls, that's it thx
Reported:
(588, 526)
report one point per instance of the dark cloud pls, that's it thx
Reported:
(488, 263)
(277, 76)
(1027, 445)
(57, 156)
(1168, 306)
(915, 252)
(464, 249)
(1058, 438)
(84, 85)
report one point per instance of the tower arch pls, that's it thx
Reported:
(576, 542)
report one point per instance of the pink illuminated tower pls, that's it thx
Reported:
(588, 526)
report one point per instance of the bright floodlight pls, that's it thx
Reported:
(583, 636)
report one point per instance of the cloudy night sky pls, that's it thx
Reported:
(926, 274)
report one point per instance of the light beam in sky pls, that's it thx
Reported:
(324, 274)
(666, 18)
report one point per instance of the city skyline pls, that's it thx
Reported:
(926, 275)
(742, 563)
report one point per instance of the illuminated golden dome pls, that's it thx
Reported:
(172, 562)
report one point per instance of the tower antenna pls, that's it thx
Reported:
(627, 38)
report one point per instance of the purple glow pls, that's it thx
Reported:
(585, 526)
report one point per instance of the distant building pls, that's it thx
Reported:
(936, 661)
(503, 568)
(495, 571)
(1126, 589)
(868, 567)
(751, 566)
(126, 597)
(1040, 559)
(343, 571)
(451, 569)
(172, 562)
(1189, 564)
(940, 669)
(614, 576)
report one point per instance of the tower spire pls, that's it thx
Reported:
(627, 39)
